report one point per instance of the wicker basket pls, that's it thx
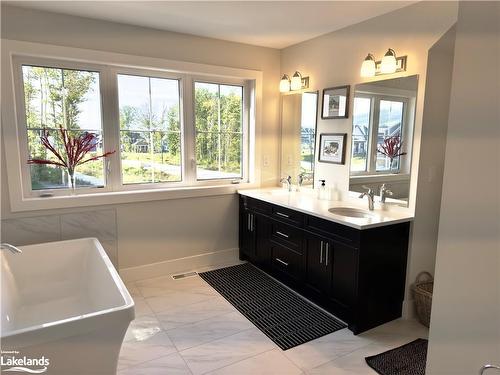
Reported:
(422, 290)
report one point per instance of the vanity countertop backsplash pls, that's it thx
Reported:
(306, 201)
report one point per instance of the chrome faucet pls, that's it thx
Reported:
(371, 195)
(300, 179)
(384, 192)
(287, 181)
(11, 248)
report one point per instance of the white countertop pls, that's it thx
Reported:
(307, 202)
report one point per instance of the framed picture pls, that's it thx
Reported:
(332, 148)
(335, 102)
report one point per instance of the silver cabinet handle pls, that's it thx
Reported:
(282, 234)
(321, 253)
(249, 222)
(487, 367)
(282, 262)
(281, 214)
(327, 251)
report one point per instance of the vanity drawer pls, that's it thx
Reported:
(287, 235)
(289, 216)
(287, 261)
(333, 230)
(256, 205)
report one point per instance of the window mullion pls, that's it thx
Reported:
(111, 128)
(374, 135)
(189, 133)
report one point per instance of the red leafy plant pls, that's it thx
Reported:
(391, 147)
(73, 155)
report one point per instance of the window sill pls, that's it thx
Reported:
(120, 197)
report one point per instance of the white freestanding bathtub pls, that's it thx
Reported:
(64, 307)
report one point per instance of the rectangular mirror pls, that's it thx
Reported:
(298, 136)
(382, 137)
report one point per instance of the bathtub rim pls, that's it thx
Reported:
(127, 305)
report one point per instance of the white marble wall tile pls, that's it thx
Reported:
(100, 224)
(27, 231)
(111, 249)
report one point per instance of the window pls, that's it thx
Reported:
(374, 119)
(140, 114)
(55, 97)
(219, 131)
(150, 129)
(390, 122)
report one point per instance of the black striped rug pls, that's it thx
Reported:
(283, 316)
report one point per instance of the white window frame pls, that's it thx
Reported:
(371, 162)
(245, 128)
(18, 62)
(108, 65)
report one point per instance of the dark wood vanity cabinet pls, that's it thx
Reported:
(358, 275)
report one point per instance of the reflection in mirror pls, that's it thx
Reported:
(382, 137)
(298, 136)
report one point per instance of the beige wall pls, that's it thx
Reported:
(432, 149)
(335, 59)
(161, 230)
(465, 321)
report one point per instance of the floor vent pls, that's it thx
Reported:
(283, 316)
(184, 275)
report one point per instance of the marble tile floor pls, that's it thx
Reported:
(185, 327)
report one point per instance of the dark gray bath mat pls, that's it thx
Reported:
(283, 316)
(408, 359)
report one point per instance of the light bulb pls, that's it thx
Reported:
(368, 66)
(388, 64)
(285, 83)
(296, 83)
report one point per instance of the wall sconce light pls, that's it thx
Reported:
(296, 83)
(368, 66)
(285, 83)
(390, 64)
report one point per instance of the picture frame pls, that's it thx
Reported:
(335, 103)
(332, 148)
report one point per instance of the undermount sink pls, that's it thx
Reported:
(350, 212)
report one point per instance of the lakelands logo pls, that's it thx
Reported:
(16, 363)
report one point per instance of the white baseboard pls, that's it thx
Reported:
(409, 309)
(191, 263)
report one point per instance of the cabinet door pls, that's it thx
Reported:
(318, 264)
(247, 233)
(344, 273)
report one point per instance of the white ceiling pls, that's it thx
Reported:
(275, 24)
